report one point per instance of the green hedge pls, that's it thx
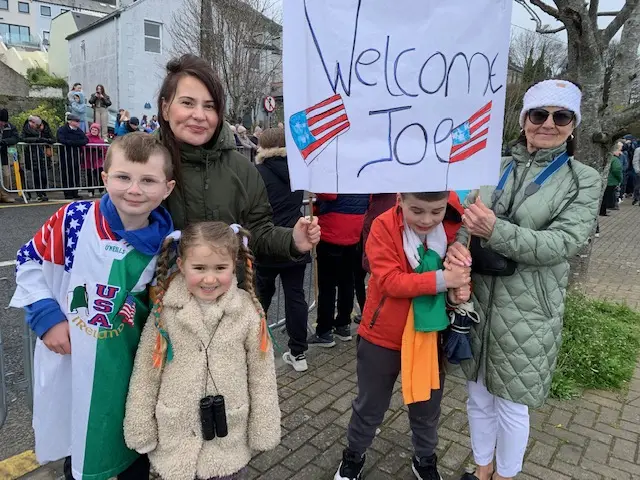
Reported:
(38, 76)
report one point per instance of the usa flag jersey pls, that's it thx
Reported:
(100, 283)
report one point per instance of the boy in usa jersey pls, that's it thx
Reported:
(82, 280)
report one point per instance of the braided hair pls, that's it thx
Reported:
(233, 240)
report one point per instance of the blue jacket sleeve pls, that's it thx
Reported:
(42, 315)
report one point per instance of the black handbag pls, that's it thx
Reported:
(487, 262)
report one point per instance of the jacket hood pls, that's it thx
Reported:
(147, 240)
(265, 153)
(277, 164)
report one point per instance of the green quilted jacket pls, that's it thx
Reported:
(517, 340)
(218, 183)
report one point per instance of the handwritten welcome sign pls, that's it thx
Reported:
(386, 96)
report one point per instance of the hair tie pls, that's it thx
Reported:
(236, 229)
(176, 235)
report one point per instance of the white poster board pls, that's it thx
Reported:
(394, 96)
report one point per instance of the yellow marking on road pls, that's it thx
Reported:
(50, 202)
(18, 465)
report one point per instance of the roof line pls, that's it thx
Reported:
(105, 19)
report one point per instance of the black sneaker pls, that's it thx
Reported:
(425, 468)
(350, 467)
(343, 333)
(325, 340)
(469, 476)
(43, 198)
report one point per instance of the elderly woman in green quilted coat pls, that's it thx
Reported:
(543, 215)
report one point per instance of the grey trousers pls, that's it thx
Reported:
(377, 369)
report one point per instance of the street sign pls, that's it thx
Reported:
(269, 104)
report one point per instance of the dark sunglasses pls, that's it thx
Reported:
(561, 118)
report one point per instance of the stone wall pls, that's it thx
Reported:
(18, 104)
(11, 82)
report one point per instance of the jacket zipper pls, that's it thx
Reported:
(541, 292)
(377, 312)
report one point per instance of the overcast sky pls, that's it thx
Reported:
(520, 17)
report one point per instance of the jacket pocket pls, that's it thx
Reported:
(237, 429)
(374, 318)
(171, 426)
(541, 294)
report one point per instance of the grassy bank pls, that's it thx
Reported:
(600, 346)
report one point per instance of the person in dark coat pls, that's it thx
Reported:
(8, 137)
(38, 133)
(271, 162)
(71, 155)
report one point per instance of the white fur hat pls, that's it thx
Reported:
(552, 93)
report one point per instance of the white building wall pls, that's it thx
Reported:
(92, 60)
(141, 72)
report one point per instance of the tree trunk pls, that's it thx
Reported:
(206, 31)
(625, 63)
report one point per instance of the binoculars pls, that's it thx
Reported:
(213, 417)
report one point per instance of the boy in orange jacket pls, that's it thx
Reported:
(404, 313)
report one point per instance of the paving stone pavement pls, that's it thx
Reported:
(595, 437)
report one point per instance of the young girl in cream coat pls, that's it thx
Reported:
(207, 337)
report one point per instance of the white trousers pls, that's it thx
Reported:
(497, 425)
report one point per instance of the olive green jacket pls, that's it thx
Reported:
(517, 341)
(215, 182)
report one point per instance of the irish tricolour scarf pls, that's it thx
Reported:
(99, 282)
(427, 315)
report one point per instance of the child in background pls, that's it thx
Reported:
(208, 340)
(80, 109)
(82, 280)
(94, 154)
(404, 312)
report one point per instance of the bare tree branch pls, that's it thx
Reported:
(550, 30)
(608, 14)
(548, 9)
(617, 23)
(593, 10)
(240, 42)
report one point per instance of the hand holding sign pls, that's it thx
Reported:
(479, 219)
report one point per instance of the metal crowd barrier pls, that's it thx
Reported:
(42, 167)
(38, 168)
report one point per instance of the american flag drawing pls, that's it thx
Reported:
(56, 241)
(471, 136)
(128, 310)
(317, 126)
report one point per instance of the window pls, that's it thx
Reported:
(45, 11)
(254, 60)
(23, 7)
(152, 41)
(46, 36)
(4, 4)
(15, 34)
